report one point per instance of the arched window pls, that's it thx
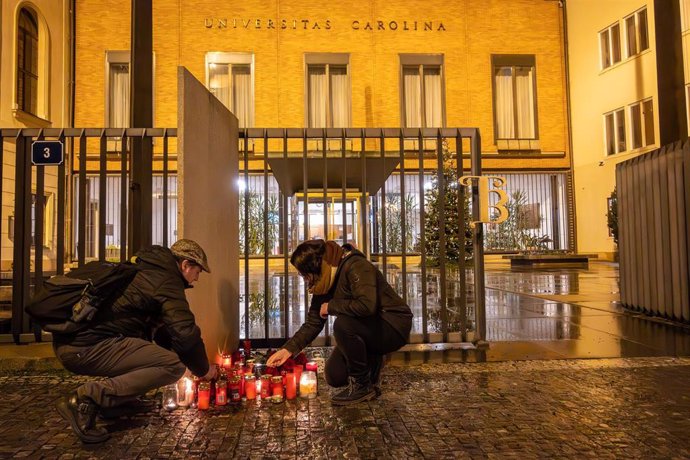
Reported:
(27, 62)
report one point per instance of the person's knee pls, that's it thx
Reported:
(343, 326)
(177, 370)
(335, 374)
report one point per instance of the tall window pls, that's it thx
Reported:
(422, 91)
(642, 124)
(515, 99)
(636, 32)
(230, 79)
(328, 91)
(610, 45)
(614, 131)
(117, 99)
(27, 62)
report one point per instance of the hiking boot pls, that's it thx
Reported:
(81, 413)
(127, 409)
(355, 392)
(375, 373)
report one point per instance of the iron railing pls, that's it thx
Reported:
(46, 211)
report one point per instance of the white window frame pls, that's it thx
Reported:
(42, 116)
(114, 58)
(609, 33)
(635, 17)
(684, 15)
(420, 61)
(645, 139)
(616, 132)
(233, 58)
(327, 60)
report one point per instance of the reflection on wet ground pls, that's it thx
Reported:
(532, 313)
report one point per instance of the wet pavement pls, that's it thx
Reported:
(614, 408)
(629, 399)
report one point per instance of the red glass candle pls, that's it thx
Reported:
(265, 386)
(297, 369)
(234, 387)
(226, 361)
(250, 386)
(204, 395)
(277, 386)
(291, 387)
(221, 392)
(312, 366)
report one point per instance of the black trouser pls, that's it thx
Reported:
(133, 367)
(359, 340)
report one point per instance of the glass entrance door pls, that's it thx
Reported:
(331, 220)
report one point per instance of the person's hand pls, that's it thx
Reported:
(278, 358)
(324, 310)
(212, 373)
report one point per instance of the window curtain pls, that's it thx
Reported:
(219, 83)
(242, 94)
(318, 97)
(340, 99)
(413, 97)
(118, 116)
(432, 97)
(524, 84)
(504, 103)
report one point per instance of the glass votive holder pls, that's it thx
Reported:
(307, 384)
(170, 397)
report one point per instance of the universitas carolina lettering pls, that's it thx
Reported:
(322, 24)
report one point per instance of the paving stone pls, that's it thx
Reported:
(607, 408)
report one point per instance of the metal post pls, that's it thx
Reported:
(141, 116)
(478, 245)
(22, 237)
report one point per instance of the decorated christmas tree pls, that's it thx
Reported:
(457, 243)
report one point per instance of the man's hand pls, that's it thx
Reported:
(278, 358)
(212, 373)
(324, 310)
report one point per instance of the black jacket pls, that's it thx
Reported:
(359, 289)
(154, 299)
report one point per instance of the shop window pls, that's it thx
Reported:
(642, 124)
(515, 102)
(422, 91)
(610, 45)
(636, 36)
(614, 131)
(230, 77)
(27, 62)
(328, 90)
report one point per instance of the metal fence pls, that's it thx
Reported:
(364, 186)
(361, 186)
(653, 192)
(58, 217)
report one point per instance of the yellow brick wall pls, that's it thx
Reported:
(475, 29)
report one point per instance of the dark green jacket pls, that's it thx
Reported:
(154, 300)
(359, 289)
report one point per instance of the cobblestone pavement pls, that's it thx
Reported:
(610, 408)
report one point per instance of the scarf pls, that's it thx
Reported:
(331, 258)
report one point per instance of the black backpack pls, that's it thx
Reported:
(67, 303)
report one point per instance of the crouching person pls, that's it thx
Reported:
(117, 343)
(372, 320)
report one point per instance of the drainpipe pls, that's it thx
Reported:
(563, 5)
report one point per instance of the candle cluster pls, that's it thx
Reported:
(241, 379)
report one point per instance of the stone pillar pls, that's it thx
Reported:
(208, 208)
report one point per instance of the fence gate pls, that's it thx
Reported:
(372, 187)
